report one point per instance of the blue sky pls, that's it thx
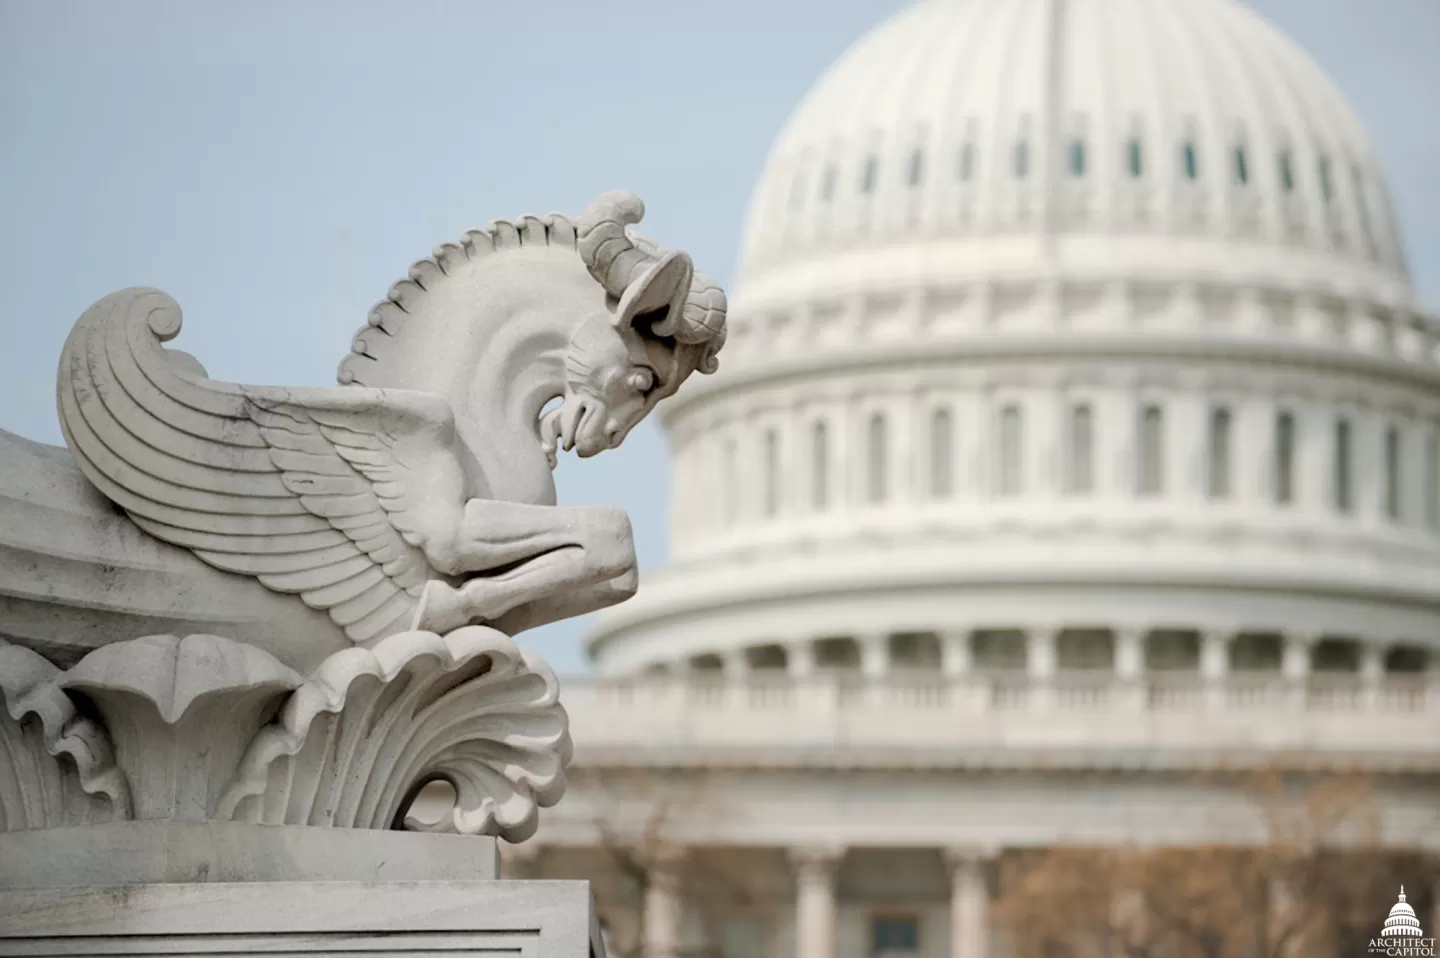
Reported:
(276, 164)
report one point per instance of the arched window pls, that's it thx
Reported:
(1081, 467)
(1150, 478)
(1022, 159)
(877, 458)
(1394, 475)
(1284, 458)
(1011, 451)
(819, 467)
(1135, 158)
(1189, 161)
(827, 184)
(942, 454)
(1287, 172)
(772, 472)
(916, 172)
(730, 468)
(1077, 158)
(1341, 482)
(1218, 474)
(967, 161)
(1242, 168)
(869, 174)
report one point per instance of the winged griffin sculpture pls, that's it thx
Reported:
(418, 493)
(401, 527)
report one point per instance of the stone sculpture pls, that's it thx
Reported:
(405, 520)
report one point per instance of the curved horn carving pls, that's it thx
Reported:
(614, 257)
(604, 244)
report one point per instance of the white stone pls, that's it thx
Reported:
(355, 558)
(176, 852)
(528, 918)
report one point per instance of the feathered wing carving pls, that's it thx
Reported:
(322, 493)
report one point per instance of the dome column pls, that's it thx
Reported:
(800, 659)
(1040, 663)
(874, 655)
(1372, 663)
(1214, 666)
(1316, 457)
(956, 660)
(1129, 653)
(1254, 475)
(1295, 666)
(815, 870)
(1130, 667)
(969, 902)
(1372, 673)
(1214, 655)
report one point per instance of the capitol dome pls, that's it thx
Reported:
(1065, 138)
(1402, 922)
(1067, 335)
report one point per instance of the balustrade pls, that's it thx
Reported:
(1393, 715)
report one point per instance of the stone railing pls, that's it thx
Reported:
(1070, 720)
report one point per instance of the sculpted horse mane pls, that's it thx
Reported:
(605, 246)
(417, 493)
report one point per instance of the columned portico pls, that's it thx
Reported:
(815, 900)
(969, 902)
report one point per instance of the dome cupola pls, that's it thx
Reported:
(1402, 922)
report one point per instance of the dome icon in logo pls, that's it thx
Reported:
(1402, 922)
(1402, 934)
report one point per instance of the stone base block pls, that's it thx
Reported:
(132, 853)
(420, 919)
(221, 888)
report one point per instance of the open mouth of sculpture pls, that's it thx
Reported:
(578, 428)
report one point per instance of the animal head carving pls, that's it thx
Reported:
(662, 321)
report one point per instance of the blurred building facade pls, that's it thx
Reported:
(1076, 445)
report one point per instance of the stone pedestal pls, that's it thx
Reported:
(212, 888)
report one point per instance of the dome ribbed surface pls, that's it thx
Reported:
(976, 117)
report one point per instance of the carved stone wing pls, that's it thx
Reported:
(319, 492)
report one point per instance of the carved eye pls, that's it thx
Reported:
(642, 380)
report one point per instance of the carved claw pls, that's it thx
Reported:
(442, 609)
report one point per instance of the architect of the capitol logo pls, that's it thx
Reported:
(1402, 934)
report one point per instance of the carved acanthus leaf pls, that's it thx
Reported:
(57, 767)
(181, 710)
(356, 742)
